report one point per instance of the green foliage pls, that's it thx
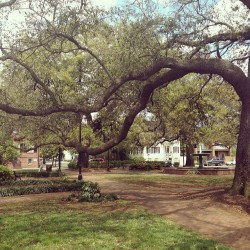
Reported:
(168, 164)
(24, 187)
(90, 192)
(208, 116)
(110, 197)
(72, 165)
(7, 151)
(193, 171)
(137, 159)
(147, 165)
(49, 151)
(96, 164)
(176, 164)
(34, 173)
(5, 173)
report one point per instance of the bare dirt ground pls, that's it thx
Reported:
(209, 211)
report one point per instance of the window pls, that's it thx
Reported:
(167, 150)
(153, 150)
(29, 161)
(176, 150)
(136, 151)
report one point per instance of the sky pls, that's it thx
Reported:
(110, 3)
(106, 3)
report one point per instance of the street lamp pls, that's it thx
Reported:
(183, 139)
(79, 160)
(59, 158)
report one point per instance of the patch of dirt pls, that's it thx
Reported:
(207, 210)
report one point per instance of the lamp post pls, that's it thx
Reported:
(183, 152)
(183, 139)
(59, 158)
(79, 161)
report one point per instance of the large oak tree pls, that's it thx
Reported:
(76, 58)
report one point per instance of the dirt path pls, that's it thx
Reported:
(194, 208)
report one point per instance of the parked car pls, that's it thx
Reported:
(98, 160)
(214, 162)
(231, 162)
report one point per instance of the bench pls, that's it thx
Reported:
(17, 175)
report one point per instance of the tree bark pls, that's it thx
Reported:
(241, 182)
(83, 161)
(189, 156)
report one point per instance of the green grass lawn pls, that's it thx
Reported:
(146, 177)
(58, 224)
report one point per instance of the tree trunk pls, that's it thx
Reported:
(241, 182)
(189, 156)
(83, 161)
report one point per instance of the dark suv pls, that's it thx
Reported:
(214, 162)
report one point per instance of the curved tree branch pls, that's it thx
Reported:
(74, 41)
(6, 4)
(227, 70)
(246, 3)
(223, 37)
(34, 76)
(141, 104)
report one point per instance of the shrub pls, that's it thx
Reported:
(176, 164)
(23, 187)
(96, 164)
(37, 174)
(168, 164)
(193, 171)
(5, 173)
(72, 165)
(110, 197)
(90, 192)
(147, 166)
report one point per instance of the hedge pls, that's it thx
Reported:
(5, 173)
(36, 187)
(147, 166)
(29, 173)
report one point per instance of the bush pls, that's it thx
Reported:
(147, 166)
(110, 197)
(5, 174)
(72, 165)
(193, 171)
(176, 164)
(96, 164)
(37, 174)
(23, 187)
(90, 192)
(168, 164)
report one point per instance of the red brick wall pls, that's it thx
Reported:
(26, 160)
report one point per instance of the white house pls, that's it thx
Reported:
(166, 151)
